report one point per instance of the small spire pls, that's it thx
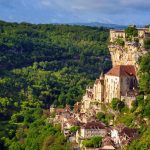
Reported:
(101, 76)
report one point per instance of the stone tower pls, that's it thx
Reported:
(98, 89)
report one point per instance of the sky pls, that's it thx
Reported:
(121, 12)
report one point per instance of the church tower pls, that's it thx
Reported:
(98, 89)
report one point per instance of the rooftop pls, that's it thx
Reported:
(94, 125)
(131, 133)
(107, 141)
(117, 30)
(122, 70)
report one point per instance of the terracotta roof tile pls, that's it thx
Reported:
(59, 110)
(122, 70)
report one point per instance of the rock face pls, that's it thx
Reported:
(121, 81)
(127, 55)
(131, 51)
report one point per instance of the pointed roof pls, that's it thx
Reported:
(107, 141)
(101, 76)
(100, 79)
(122, 70)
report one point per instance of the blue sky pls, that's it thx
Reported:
(70, 11)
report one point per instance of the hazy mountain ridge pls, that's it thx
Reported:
(98, 24)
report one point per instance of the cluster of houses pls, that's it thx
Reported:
(87, 127)
(119, 82)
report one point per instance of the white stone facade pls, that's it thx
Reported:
(118, 86)
(112, 88)
(88, 133)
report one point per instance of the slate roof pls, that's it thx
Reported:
(94, 125)
(131, 133)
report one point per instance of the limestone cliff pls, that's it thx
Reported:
(121, 81)
(129, 52)
(126, 55)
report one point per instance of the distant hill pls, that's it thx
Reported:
(98, 24)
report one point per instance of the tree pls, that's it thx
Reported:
(74, 129)
(120, 105)
(48, 142)
(96, 141)
(93, 142)
(114, 103)
(147, 43)
(142, 143)
(131, 32)
(145, 74)
(15, 146)
(120, 42)
(101, 116)
(41, 65)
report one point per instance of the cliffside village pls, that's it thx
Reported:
(119, 82)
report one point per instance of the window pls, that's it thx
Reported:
(131, 84)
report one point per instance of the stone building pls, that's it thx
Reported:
(119, 81)
(122, 135)
(107, 144)
(115, 34)
(93, 128)
(98, 89)
(130, 53)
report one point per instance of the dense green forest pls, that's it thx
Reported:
(47, 64)
(139, 116)
(140, 113)
(43, 65)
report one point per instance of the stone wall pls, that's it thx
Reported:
(112, 88)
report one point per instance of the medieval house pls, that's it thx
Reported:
(119, 82)
(94, 128)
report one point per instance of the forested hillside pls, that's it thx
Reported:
(139, 116)
(41, 65)
(140, 113)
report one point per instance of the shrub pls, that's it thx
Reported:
(130, 33)
(147, 43)
(16, 118)
(114, 103)
(100, 116)
(74, 129)
(95, 142)
(120, 42)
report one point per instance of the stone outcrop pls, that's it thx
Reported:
(131, 51)
(121, 81)
(126, 55)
